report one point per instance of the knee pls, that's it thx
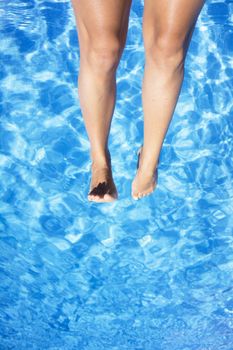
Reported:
(104, 55)
(166, 52)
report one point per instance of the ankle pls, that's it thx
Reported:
(101, 159)
(148, 166)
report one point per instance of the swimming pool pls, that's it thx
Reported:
(147, 275)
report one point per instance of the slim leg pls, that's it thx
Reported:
(102, 28)
(167, 30)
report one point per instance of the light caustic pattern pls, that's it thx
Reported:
(147, 275)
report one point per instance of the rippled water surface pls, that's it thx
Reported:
(135, 275)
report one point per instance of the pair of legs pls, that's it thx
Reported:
(102, 29)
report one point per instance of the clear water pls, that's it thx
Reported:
(136, 275)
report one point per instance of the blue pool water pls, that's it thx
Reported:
(154, 274)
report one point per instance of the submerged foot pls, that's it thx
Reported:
(102, 187)
(145, 181)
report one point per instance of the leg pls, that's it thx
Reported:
(167, 30)
(102, 28)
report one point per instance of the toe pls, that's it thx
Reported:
(93, 198)
(105, 198)
(135, 197)
(108, 198)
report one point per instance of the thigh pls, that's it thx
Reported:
(171, 20)
(100, 22)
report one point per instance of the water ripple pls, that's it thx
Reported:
(146, 275)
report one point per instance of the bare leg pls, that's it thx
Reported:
(102, 28)
(167, 30)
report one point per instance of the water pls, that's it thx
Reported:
(132, 275)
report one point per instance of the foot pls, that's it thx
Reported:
(145, 180)
(102, 187)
